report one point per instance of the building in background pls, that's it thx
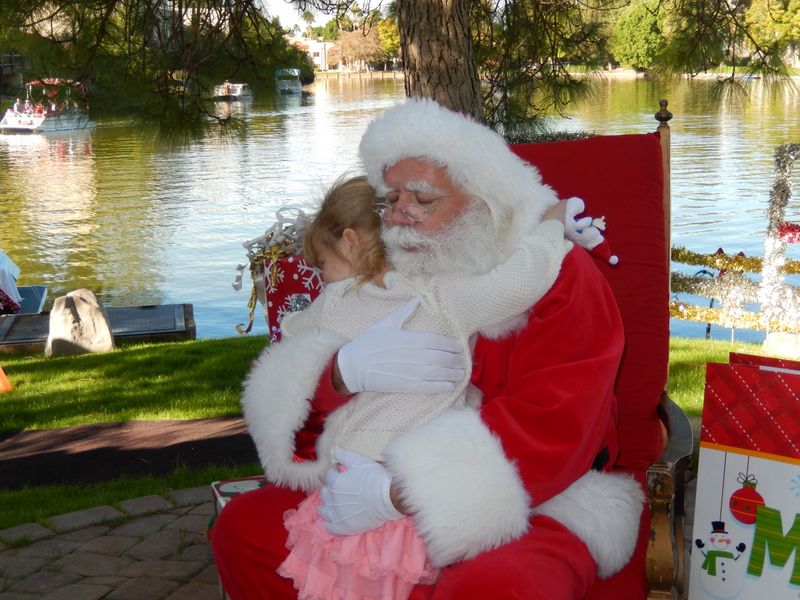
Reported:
(318, 50)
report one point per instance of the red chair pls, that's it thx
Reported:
(626, 179)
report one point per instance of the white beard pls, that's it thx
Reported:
(468, 245)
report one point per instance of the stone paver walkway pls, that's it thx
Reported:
(148, 548)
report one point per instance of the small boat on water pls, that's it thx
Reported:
(61, 106)
(232, 92)
(287, 81)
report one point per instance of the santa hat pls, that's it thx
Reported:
(603, 251)
(477, 159)
(587, 232)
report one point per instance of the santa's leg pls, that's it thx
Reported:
(249, 542)
(548, 563)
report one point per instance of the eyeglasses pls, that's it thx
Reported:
(416, 212)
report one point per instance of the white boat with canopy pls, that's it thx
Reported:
(51, 104)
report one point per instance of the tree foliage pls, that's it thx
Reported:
(508, 62)
(523, 52)
(636, 38)
(389, 36)
(355, 49)
(149, 57)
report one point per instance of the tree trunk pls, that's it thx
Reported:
(438, 61)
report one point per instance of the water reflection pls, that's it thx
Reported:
(140, 223)
(722, 162)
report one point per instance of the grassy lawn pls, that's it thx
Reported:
(687, 368)
(184, 380)
(189, 380)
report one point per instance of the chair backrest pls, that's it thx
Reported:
(622, 178)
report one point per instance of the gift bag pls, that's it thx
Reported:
(290, 284)
(746, 536)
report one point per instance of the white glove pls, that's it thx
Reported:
(385, 358)
(357, 499)
(586, 231)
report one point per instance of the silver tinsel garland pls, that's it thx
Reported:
(780, 302)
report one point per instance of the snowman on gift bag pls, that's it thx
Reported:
(721, 574)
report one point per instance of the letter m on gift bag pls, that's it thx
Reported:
(746, 537)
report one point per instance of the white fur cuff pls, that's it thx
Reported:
(603, 510)
(466, 497)
(275, 402)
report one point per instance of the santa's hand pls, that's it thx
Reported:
(357, 499)
(385, 358)
(581, 231)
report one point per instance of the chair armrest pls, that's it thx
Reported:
(665, 493)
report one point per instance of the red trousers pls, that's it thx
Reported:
(549, 563)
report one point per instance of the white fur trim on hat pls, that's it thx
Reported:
(477, 159)
(276, 405)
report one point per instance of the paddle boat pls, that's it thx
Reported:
(232, 92)
(56, 109)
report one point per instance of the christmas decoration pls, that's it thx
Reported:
(789, 232)
(776, 299)
(745, 501)
(722, 261)
(748, 428)
(282, 239)
(291, 284)
(745, 320)
(779, 302)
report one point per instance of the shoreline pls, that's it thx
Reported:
(617, 73)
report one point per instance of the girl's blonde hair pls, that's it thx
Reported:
(350, 203)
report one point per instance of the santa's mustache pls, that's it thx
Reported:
(467, 245)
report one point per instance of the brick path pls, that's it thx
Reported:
(148, 548)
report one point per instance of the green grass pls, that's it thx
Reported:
(687, 368)
(189, 380)
(184, 380)
(38, 504)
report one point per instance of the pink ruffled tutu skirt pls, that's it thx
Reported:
(382, 564)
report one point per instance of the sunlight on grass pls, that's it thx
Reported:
(185, 380)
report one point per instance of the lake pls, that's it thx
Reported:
(138, 222)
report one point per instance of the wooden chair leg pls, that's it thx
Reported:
(665, 491)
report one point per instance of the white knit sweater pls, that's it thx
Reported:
(450, 304)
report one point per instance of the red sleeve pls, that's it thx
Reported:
(548, 390)
(325, 401)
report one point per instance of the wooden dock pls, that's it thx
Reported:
(152, 323)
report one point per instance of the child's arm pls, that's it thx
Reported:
(480, 301)
(293, 322)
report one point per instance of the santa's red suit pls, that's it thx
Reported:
(470, 479)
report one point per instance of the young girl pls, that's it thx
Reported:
(344, 241)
